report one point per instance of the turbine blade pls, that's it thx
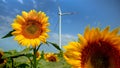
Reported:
(69, 13)
(59, 10)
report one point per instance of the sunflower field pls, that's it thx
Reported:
(30, 30)
(95, 48)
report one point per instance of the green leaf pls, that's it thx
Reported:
(24, 65)
(26, 50)
(8, 35)
(29, 55)
(10, 53)
(42, 55)
(54, 44)
(15, 54)
(13, 51)
(60, 64)
(38, 47)
(6, 55)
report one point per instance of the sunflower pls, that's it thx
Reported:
(2, 61)
(96, 49)
(50, 57)
(31, 28)
(38, 55)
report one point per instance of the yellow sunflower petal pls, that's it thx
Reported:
(115, 31)
(87, 30)
(97, 34)
(19, 37)
(38, 55)
(82, 39)
(76, 67)
(45, 20)
(16, 32)
(24, 14)
(105, 31)
(75, 46)
(20, 19)
(37, 41)
(73, 55)
(42, 38)
(74, 62)
(16, 26)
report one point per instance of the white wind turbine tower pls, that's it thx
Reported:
(59, 21)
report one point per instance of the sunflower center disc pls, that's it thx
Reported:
(32, 29)
(0, 55)
(52, 59)
(100, 60)
(1, 60)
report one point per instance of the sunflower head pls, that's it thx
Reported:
(96, 49)
(38, 55)
(31, 28)
(2, 61)
(50, 57)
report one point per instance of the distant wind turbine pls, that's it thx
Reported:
(59, 20)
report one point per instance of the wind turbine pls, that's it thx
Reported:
(60, 14)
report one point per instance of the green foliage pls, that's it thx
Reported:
(54, 44)
(21, 62)
(26, 50)
(15, 54)
(24, 65)
(24, 58)
(42, 55)
(60, 64)
(8, 35)
(9, 54)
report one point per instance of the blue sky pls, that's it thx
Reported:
(88, 12)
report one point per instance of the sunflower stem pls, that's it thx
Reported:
(34, 58)
(12, 63)
(30, 62)
(38, 47)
